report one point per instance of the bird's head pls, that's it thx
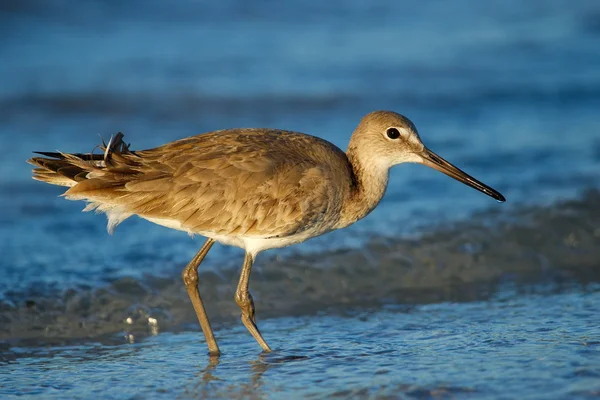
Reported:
(385, 138)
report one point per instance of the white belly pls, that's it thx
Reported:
(251, 244)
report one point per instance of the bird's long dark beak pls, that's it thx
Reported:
(434, 161)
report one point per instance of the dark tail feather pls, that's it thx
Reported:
(68, 169)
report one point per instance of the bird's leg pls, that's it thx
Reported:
(244, 300)
(190, 278)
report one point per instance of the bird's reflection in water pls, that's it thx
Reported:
(225, 378)
(207, 372)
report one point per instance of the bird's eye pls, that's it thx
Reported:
(393, 133)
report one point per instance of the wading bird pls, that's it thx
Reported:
(256, 189)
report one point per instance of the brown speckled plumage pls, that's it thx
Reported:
(234, 182)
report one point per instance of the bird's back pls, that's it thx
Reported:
(240, 182)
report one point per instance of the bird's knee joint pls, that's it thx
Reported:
(243, 300)
(190, 277)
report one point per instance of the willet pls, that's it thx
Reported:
(256, 189)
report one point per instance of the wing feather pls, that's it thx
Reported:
(238, 182)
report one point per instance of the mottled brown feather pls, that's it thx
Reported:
(255, 182)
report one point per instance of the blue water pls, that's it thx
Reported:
(494, 349)
(439, 293)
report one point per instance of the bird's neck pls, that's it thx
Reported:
(370, 178)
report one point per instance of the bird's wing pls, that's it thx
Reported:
(242, 182)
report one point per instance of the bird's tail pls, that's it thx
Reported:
(69, 169)
(94, 178)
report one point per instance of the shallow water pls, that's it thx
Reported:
(439, 293)
(525, 345)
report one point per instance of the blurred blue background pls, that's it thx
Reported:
(507, 90)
